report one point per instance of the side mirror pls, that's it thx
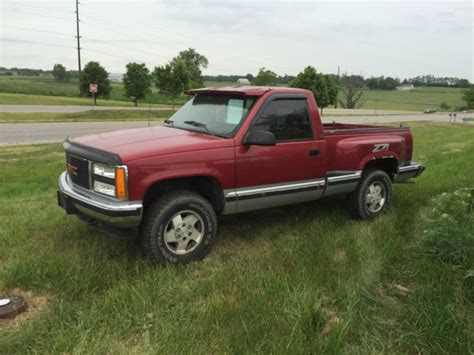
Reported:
(258, 137)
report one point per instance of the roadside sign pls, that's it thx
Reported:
(93, 88)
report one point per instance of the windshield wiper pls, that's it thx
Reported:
(197, 124)
(170, 122)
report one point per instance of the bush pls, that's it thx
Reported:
(445, 106)
(449, 231)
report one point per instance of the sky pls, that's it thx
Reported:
(393, 38)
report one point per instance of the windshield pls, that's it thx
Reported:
(219, 115)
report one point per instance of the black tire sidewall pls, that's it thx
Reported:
(160, 220)
(370, 178)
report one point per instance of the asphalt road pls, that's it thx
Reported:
(32, 133)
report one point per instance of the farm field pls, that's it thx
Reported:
(45, 91)
(27, 99)
(297, 279)
(86, 116)
(416, 100)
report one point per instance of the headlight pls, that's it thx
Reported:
(104, 188)
(104, 170)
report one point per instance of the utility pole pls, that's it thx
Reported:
(78, 38)
(338, 71)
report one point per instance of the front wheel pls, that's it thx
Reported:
(372, 196)
(178, 227)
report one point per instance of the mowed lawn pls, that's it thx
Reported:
(297, 279)
(28, 99)
(418, 99)
(86, 116)
(44, 90)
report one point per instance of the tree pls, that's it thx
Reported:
(137, 81)
(352, 88)
(265, 78)
(468, 96)
(60, 73)
(194, 63)
(172, 79)
(94, 73)
(382, 83)
(323, 88)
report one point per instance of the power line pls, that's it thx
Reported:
(41, 15)
(38, 7)
(15, 40)
(37, 30)
(113, 27)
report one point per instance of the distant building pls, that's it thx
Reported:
(406, 87)
(115, 77)
(243, 81)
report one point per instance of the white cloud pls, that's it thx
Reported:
(397, 38)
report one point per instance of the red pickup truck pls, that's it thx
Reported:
(228, 150)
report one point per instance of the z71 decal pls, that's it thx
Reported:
(380, 147)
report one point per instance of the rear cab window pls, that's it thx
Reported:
(287, 119)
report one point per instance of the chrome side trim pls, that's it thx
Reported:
(344, 177)
(242, 192)
(95, 200)
(267, 196)
(343, 182)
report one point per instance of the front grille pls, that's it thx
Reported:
(78, 170)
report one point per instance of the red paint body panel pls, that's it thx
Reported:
(160, 153)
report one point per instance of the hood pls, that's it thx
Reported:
(132, 144)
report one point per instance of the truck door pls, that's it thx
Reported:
(290, 171)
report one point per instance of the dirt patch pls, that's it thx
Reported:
(332, 320)
(390, 291)
(35, 306)
(340, 255)
(330, 314)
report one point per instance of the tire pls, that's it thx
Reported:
(178, 227)
(372, 196)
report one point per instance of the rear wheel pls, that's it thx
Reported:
(372, 196)
(178, 227)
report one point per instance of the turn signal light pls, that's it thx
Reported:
(120, 183)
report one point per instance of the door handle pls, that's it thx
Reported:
(314, 152)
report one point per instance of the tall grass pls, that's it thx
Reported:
(298, 279)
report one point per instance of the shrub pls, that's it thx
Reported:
(444, 106)
(449, 231)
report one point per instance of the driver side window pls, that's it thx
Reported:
(287, 119)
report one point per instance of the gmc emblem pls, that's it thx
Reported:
(71, 169)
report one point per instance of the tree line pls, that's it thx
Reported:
(184, 72)
(181, 73)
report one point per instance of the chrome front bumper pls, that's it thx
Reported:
(409, 171)
(97, 208)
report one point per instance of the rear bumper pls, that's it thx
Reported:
(97, 209)
(409, 171)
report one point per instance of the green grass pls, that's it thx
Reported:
(102, 115)
(26, 99)
(45, 91)
(416, 100)
(299, 279)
